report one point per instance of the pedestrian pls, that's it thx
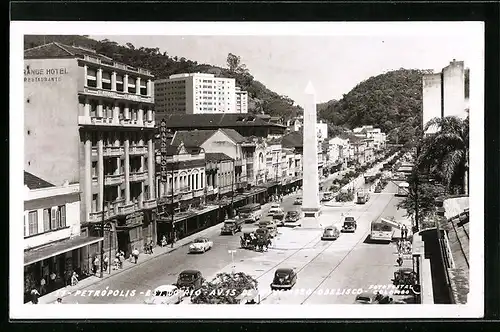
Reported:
(34, 296)
(95, 264)
(163, 241)
(151, 245)
(74, 279)
(43, 288)
(135, 253)
(58, 301)
(105, 263)
(67, 278)
(116, 262)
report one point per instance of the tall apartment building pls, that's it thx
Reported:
(90, 119)
(445, 93)
(195, 93)
(241, 101)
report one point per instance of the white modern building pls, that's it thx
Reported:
(241, 100)
(369, 132)
(322, 130)
(196, 93)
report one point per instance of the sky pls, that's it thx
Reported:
(334, 64)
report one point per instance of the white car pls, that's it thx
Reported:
(166, 294)
(200, 244)
(274, 206)
(275, 211)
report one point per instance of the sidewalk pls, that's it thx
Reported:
(143, 258)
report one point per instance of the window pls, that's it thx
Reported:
(61, 216)
(94, 169)
(46, 220)
(33, 222)
(53, 219)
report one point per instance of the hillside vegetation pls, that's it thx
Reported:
(390, 101)
(162, 65)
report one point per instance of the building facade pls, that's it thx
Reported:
(241, 101)
(104, 113)
(53, 245)
(197, 93)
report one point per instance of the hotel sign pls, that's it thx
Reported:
(163, 150)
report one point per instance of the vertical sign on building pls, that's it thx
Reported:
(163, 150)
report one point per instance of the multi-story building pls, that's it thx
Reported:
(445, 93)
(103, 112)
(254, 149)
(321, 130)
(241, 101)
(195, 93)
(273, 161)
(376, 134)
(53, 246)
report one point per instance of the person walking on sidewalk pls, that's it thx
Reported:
(34, 296)
(135, 254)
(163, 241)
(43, 289)
(105, 262)
(67, 277)
(74, 279)
(174, 238)
(151, 245)
(95, 265)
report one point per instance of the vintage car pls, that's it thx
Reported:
(405, 276)
(284, 278)
(349, 225)
(189, 280)
(279, 218)
(275, 211)
(330, 233)
(231, 226)
(200, 244)
(327, 196)
(297, 201)
(292, 216)
(263, 233)
(270, 225)
(166, 294)
(365, 298)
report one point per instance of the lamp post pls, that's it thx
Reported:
(232, 252)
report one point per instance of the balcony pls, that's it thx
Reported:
(126, 209)
(198, 192)
(138, 176)
(112, 151)
(249, 161)
(138, 150)
(113, 179)
(121, 95)
(100, 121)
(238, 162)
(186, 196)
(149, 204)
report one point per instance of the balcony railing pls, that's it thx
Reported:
(149, 204)
(238, 162)
(113, 179)
(116, 94)
(186, 196)
(113, 151)
(138, 176)
(199, 192)
(135, 150)
(101, 121)
(126, 208)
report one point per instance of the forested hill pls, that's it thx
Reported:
(390, 101)
(162, 65)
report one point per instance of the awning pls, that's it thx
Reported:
(54, 249)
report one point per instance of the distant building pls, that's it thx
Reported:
(241, 101)
(197, 93)
(369, 132)
(322, 130)
(445, 93)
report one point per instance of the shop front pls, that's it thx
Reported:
(55, 263)
(130, 233)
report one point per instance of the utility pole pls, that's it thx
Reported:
(102, 225)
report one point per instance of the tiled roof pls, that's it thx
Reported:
(192, 138)
(58, 50)
(212, 121)
(234, 135)
(294, 139)
(217, 156)
(34, 182)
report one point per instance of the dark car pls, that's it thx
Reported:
(189, 280)
(297, 201)
(231, 226)
(349, 225)
(292, 216)
(365, 298)
(279, 219)
(284, 278)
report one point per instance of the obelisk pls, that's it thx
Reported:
(310, 189)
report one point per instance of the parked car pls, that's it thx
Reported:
(349, 225)
(279, 218)
(365, 298)
(297, 201)
(284, 278)
(189, 280)
(200, 244)
(327, 196)
(231, 226)
(263, 233)
(166, 294)
(275, 210)
(275, 206)
(292, 216)
(330, 233)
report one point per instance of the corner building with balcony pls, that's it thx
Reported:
(93, 122)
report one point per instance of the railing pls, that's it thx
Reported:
(199, 192)
(100, 121)
(116, 64)
(138, 176)
(117, 94)
(114, 151)
(138, 149)
(126, 208)
(113, 179)
(149, 204)
(238, 162)
(186, 195)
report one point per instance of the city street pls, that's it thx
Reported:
(347, 263)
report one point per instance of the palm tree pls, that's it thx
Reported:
(445, 154)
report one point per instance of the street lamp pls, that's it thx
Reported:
(232, 252)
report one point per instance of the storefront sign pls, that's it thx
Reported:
(163, 150)
(32, 75)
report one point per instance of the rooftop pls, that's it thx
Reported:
(212, 121)
(34, 182)
(217, 156)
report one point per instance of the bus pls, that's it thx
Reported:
(250, 213)
(403, 189)
(381, 231)
(362, 197)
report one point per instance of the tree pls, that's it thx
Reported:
(445, 154)
(130, 45)
(234, 64)
(225, 288)
(424, 200)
